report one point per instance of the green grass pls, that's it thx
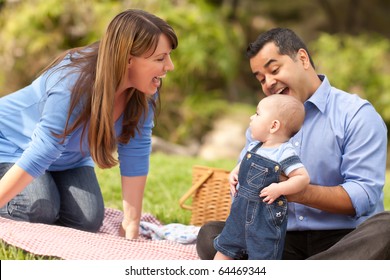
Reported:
(170, 177)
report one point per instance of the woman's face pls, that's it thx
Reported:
(145, 72)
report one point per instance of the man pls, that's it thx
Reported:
(343, 145)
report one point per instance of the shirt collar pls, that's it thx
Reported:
(320, 96)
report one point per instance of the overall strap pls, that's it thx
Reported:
(255, 148)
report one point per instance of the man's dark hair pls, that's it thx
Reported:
(285, 39)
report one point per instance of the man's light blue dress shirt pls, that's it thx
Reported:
(343, 141)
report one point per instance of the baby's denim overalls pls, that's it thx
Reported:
(255, 228)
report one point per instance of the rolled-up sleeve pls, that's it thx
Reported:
(364, 160)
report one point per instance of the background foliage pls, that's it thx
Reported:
(348, 39)
(358, 64)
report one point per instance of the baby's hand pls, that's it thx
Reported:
(270, 193)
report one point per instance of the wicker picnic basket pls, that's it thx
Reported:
(210, 193)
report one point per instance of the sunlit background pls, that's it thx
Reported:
(349, 41)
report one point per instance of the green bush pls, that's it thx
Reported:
(358, 64)
(206, 61)
(33, 32)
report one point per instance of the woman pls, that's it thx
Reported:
(86, 105)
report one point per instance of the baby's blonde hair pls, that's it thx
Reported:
(288, 110)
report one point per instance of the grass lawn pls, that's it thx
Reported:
(170, 177)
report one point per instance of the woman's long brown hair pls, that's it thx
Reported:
(101, 67)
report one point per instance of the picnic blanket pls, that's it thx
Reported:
(71, 244)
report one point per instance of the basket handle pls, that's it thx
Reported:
(194, 188)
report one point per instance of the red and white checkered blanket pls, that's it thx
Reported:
(72, 244)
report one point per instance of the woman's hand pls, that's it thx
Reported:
(129, 229)
(132, 194)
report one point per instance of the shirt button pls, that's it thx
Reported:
(300, 218)
(296, 144)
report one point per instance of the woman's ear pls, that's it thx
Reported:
(129, 60)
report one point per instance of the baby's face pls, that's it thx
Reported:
(262, 121)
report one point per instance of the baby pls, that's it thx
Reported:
(257, 223)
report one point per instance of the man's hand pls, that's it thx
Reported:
(296, 197)
(233, 181)
(283, 177)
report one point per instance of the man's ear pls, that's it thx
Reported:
(275, 126)
(303, 56)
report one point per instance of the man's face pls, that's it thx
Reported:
(280, 74)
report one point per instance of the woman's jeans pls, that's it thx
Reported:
(70, 198)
